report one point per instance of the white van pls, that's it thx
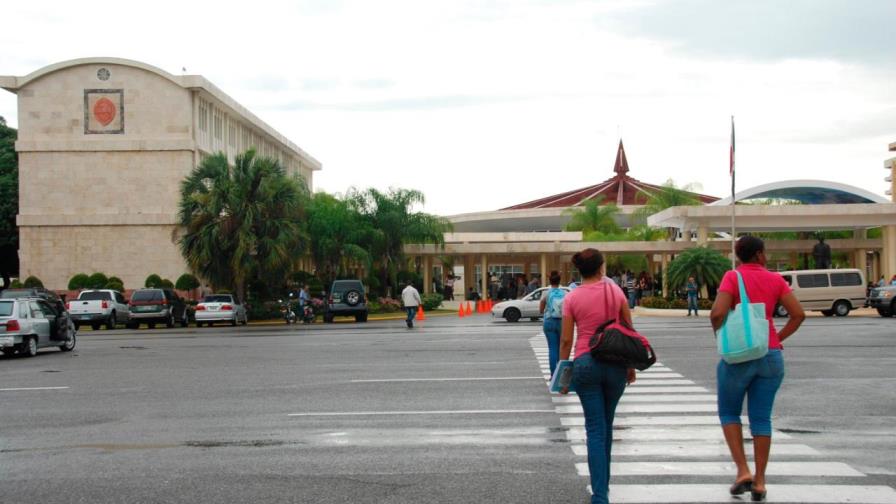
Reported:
(832, 292)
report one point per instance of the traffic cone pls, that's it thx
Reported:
(478, 306)
(469, 310)
(489, 306)
(420, 314)
(460, 311)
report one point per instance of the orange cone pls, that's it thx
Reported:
(469, 310)
(489, 306)
(420, 314)
(460, 311)
(478, 306)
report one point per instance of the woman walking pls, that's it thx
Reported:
(551, 307)
(599, 385)
(758, 379)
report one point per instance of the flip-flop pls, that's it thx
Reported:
(742, 487)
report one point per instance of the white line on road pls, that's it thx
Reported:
(639, 398)
(433, 412)
(647, 408)
(652, 420)
(31, 388)
(825, 469)
(691, 450)
(817, 494)
(663, 390)
(684, 433)
(665, 381)
(404, 380)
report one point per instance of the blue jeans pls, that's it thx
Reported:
(692, 304)
(599, 386)
(631, 298)
(551, 329)
(759, 380)
(412, 313)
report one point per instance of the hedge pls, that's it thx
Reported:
(32, 282)
(78, 282)
(431, 301)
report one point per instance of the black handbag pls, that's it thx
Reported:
(616, 343)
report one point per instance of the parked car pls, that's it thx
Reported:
(29, 324)
(35, 292)
(99, 307)
(832, 292)
(156, 306)
(883, 299)
(347, 297)
(220, 308)
(515, 309)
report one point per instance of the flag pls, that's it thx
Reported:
(731, 154)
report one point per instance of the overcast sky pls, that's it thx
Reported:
(485, 104)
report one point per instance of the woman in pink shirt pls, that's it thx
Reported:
(599, 385)
(758, 379)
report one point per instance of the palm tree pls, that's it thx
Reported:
(339, 236)
(592, 217)
(667, 197)
(242, 221)
(393, 223)
(704, 264)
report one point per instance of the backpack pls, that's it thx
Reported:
(553, 307)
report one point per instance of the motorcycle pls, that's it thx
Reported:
(308, 313)
(289, 315)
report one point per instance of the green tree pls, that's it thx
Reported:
(32, 282)
(97, 281)
(153, 281)
(242, 222)
(667, 197)
(706, 265)
(78, 282)
(9, 204)
(186, 282)
(593, 217)
(339, 236)
(393, 222)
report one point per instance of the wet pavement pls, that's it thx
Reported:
(453, 411)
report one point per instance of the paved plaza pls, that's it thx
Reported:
(453, 411)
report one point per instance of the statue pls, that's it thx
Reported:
(822, 254)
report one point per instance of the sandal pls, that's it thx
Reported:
(741, 487)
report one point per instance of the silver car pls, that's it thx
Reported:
(527, 307)
(220, 308)
(29, 324)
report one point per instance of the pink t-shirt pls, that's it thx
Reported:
(763, 286)
(587, 305)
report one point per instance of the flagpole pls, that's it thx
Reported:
(733, 200)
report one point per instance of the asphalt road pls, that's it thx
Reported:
(452, 411)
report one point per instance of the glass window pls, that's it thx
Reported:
(219, 298)
(536, 296)
(119, 298)
(845, 279)
(812, 280)
(788, 279)
(36, 312)
(23, 310)
(147, 295)
(6, 308)
(95, 296)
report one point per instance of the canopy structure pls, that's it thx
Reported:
(621, 190)
(807, 192)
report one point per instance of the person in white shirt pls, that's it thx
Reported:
(410, 298)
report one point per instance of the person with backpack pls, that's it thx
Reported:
(598, 384)
(552, 309)
(757, 379)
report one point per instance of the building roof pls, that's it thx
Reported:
(620, 190)
(196, 82)
(808, 192)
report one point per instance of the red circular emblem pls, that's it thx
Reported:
(104, 111)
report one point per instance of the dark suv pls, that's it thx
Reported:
(346, 298)
(156, 306)
(883, 299)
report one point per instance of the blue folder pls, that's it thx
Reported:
(562, 377)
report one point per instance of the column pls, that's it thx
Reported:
(545, 274)
(427, 274)
(469, 276)
(702, 235)
(861, 254)
(888, 254)
(665, 275)
(484, 282)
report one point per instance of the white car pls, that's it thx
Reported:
(220, 308)
(527, 307)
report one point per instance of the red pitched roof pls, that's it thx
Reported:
(620, 190)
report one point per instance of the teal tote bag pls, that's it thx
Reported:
(744, 336)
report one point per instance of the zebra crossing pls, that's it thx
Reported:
(667, 432)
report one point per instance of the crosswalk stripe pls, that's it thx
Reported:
(565, 409)
(664, 381)
(686, 468)
(677, 389)
(817, 494)
(658, 375)
(692, 450)
(652, 420)
(699, 433)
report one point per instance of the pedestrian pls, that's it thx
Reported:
(521, 287)
(882, 282)
(534, 284)
(630, 290)
(473, 295)
(692, 289)
(410, 298)
(449, 287)
(758, 379)
(599, 385)
(551, 307)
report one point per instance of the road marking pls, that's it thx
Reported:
(625, 421)
(665, 381)
(405, 380)
(663, 390)
(646, 408)
(646, 434)
(818, 494)
(658, 375)
(646, 398)
(433, 412)
(692, 450)
(824, 469)
(31, 388)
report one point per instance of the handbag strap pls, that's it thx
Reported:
(745, 309)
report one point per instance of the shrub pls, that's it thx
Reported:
(704, 304)
(431, 301)
(78, 282)
(153, 281)
(97, 281)
(679, 304)
(654, 302)
(168, 284)
(15, 284)
(389, 305)
(264, 311)
(187, 282)
(115, 285)
(114, 280)
(32, 282)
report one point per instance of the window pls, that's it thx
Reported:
(147, 295)
(219, 125)
(23, 310)
(36, 312)
(845, 279)
(6, 308)
(95, 296)
(788, 279)
(812, 280)
(231, 133)
(203, 115)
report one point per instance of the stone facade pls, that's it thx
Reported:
(103, 146)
